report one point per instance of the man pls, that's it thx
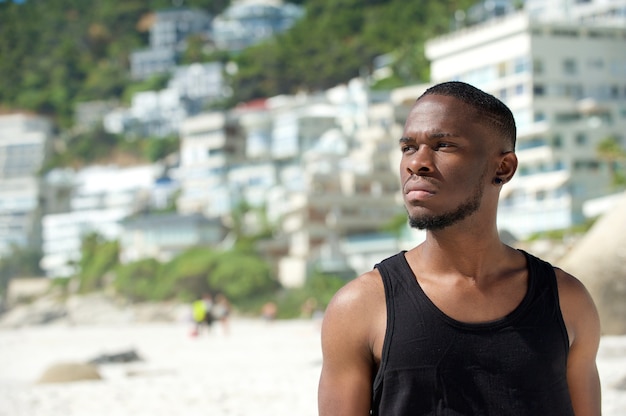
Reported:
(462, 324)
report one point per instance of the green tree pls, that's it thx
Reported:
(139, 281)
(187, 275)
(99, 258)
(241, 276)
(610, 151)
(19, 262)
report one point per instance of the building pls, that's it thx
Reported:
(160, 113)
(163, 236)
(101, 197)
(168, 34)
(564, 77)
(211, 143)
(25, 142)
(246, 23)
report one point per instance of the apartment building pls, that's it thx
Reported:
(564, 77)
(100, 198)
(249, 22)
(211, 143)
(168, 33)
(25, 141)
(163, 236)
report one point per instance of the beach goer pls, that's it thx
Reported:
(201, 311)
(461, 324)
(269, 311)
(221, 311)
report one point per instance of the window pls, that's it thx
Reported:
(539, 90)
(540, 195)
(520, 65)
(581, 139)
(538, 67)
(569, 66)
(559, 165)
(557, 142)
(595, 63)
(502, 69)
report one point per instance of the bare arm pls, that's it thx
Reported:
(583, 325)
(348, 333)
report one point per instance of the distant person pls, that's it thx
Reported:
(221, 311)
(269, 311)
(461, 324)
(202, 314)
(308, 308)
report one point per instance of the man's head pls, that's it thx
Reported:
(491, 109)
(457, 140)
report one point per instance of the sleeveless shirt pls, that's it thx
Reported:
(434, 365)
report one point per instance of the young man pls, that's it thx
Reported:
(462, 324)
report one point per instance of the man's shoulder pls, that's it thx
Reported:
(359, 293)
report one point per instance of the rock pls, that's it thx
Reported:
(120, 357)
(97, 308)
(43, 311)
(599, 261)
(69, 372)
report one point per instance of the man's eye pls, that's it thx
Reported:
(443, 145)
(407, 149)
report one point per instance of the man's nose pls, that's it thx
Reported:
(421, 161)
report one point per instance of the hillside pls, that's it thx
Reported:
(56, 53)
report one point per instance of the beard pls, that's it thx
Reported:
(441, 221)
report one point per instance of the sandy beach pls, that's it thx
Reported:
(257, 368)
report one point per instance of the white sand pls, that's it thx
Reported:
(257, 369)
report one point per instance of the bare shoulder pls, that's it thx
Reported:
(356, 310)
(360, 298)
(359, 293)
(577, 306)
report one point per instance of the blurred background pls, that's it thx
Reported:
(161, 158)
(153, 151)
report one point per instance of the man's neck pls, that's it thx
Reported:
(478, 254)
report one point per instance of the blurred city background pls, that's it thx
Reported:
(156, 150)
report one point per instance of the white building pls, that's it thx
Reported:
(101, 198)
(210, 144)
(24, 143)
(564, 79)
(168, 33)
(160, 113)
(248, 22)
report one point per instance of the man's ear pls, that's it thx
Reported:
(507, 166)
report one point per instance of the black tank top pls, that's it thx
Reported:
(435, 365)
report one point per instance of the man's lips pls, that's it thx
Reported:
(420, 190)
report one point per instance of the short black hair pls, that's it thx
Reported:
(494, 110)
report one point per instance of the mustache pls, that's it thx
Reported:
(415, 177)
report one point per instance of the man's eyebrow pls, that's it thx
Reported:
(431, 135)
(440, 134)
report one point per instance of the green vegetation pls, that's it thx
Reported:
(97, 146)
(562, 234)
(610, 151)
(57, 53)
(244, 277)
(20, 262)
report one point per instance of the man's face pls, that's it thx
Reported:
(445, 162)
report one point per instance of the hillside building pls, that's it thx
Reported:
(25, 142)
(564, 77)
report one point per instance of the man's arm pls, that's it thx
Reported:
(348, 329)
(583, 325)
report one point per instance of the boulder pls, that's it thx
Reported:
(69, 372)
(599, 261)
